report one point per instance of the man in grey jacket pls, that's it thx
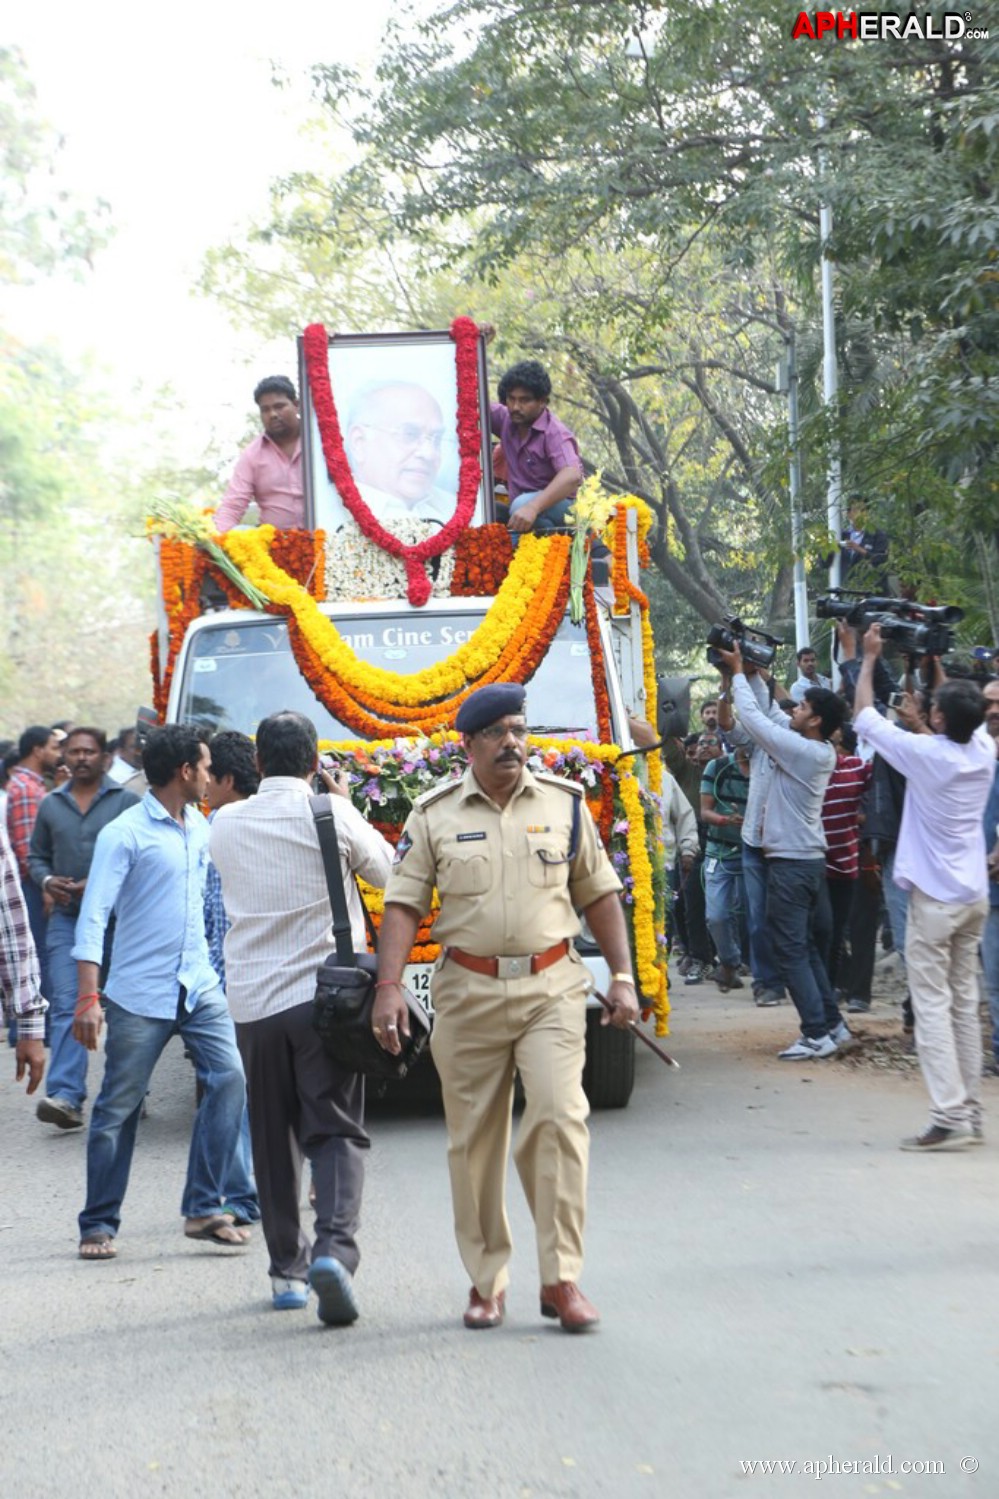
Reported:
(794, 845)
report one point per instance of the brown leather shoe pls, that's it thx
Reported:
(485, 1311)
(567, 1302)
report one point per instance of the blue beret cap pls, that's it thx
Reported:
(488, 704)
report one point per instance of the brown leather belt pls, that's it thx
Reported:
(509, 968)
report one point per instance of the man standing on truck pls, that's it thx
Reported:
(543, 466)
(270, 469)
(514, 856)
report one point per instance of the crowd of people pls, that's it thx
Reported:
(154, 921)
(813, 822)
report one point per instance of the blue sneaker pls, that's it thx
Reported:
(334, 1285)
(288, 1295)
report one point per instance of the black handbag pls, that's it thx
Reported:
(345, 983)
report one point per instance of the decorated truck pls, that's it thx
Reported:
(377, 623)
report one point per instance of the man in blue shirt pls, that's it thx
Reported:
(149, 868)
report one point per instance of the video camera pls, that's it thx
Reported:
(757, 647)
(917, 629)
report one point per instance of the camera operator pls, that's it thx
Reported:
(941, 860)
(794, 845)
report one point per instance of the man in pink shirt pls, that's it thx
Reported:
(270, 469)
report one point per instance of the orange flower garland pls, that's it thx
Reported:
(366, 714)
(481, 558)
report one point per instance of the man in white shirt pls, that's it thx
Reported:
(266, 850)
(940, 860)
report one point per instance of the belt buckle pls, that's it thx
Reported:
(512, 968)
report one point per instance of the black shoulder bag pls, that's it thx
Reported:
(345, 983)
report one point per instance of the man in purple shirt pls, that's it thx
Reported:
(270, 469)
(542, 458)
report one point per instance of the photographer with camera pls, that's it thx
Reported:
(794, 844)
(941, 861)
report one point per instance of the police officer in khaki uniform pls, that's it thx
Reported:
(514, 856)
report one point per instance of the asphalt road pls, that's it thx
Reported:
(778, 1282)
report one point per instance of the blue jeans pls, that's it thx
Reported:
(762, 961)
(134, 1045)
(897, 902)
(67, 1077)
(552, 519)
(724, 903)
(794, 888)
(990, 964)
(240, 1184)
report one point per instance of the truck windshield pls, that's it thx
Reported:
(236, 673)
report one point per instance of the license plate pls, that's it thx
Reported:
(416, 978)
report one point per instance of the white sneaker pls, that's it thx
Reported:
(842, 1034)
(288, 1295)
(809, 1049)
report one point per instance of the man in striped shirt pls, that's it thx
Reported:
(841, 824)
(266, 850)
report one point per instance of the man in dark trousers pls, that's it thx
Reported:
(59, 858)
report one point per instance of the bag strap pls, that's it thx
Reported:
(322, 811)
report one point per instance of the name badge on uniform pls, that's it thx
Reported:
(469, 837)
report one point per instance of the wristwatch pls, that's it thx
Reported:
(622, 978)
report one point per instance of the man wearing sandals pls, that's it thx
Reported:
(149, 868)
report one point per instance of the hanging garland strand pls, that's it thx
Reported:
(465, 333)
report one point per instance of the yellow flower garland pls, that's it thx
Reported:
(651, 971)
(506, 617)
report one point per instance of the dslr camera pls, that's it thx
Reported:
(757, 647)
(916, 629)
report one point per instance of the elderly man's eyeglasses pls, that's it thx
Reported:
(497, 731)
(409, 435)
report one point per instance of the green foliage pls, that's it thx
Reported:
(41, 226)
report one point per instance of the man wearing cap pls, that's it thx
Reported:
(514, 855)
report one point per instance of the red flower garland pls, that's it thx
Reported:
(465, 334)
(481, 559)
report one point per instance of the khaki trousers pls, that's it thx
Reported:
(941, 959)
(484, 1030)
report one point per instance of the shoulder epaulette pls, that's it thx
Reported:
(435, 793)
(549, 780)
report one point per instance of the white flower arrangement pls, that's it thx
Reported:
(358, 569)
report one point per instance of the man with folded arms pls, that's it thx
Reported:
(941, 861)
(514, 856)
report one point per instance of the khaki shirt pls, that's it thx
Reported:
(499, 898)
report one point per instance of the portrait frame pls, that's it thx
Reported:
(361, 365)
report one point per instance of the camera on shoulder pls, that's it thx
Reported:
(757, 646)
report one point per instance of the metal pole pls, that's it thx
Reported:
(830, 388)
(801, 629)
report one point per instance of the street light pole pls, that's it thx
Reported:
(787, 384)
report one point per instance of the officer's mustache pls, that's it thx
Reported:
(508, 754)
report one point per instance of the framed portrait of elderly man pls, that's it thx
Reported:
(396, 398)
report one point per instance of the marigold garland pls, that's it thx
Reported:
(465, 333)
(482, 557)
(507, 646)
